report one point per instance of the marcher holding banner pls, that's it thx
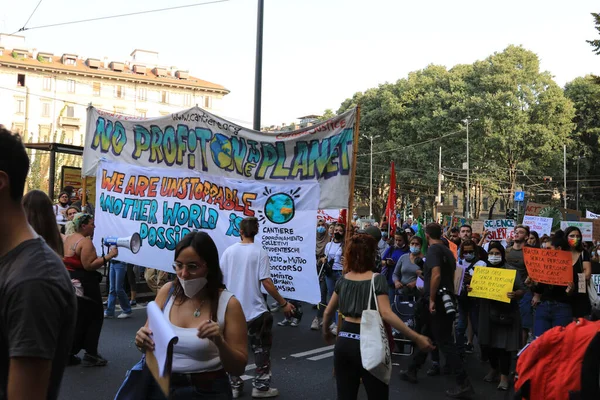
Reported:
(500, 322)
(582, 272)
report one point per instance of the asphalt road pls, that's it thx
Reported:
(302, 366)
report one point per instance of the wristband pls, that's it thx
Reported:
(285, 304)
(104, 259)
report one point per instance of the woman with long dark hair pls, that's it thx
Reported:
(352, 296)
(208, 320)
(582, 264)
(41, 217)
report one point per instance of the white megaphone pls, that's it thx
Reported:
(133, 242)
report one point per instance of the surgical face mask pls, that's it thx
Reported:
(574, 242)
(415, 249)
(495, 259)
(321, 230)
(469, 257)
(192, 286)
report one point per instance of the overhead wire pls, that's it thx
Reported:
(31, 15)
(411, 145)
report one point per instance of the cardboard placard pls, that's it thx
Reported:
(534, 208)
(553, 267)
(478, 227)
(448, 210)
(492, 283)
(454, 248)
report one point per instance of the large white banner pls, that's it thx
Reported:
(591, 215)
(163, 205)
(541, 225)
(329, 216)
(197, 140)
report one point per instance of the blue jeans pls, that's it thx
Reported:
(549, 314)
(118, 271)
(526, 310)
(216, 389)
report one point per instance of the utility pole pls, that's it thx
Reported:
(258, 66)
(467, 121)
(577, 200)
(371, 138)
(565, 175)
(439, 199)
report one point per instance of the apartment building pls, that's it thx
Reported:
(43, 95)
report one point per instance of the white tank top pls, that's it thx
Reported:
(192, 354)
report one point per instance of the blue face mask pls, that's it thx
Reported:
(415, 249)
(384, 235)
(320, 229)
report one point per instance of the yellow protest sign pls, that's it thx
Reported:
(492, 283)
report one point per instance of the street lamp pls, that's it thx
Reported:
(371, 137)
(577, 193)
(468, 121)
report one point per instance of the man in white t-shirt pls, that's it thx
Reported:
(246, 267)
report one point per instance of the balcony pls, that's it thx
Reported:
(69, 121)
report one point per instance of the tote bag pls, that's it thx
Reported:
(593, 295)
(374, 347)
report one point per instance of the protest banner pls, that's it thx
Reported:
(162, 205)
(595, 227)
(459, 276)
(329, 216)
(478, 227)
(197, 140)
(591, 215)
(586, 228)
(492, 283)
(446, 210)
(454, 248)
(499, 229)
(554, 267)
(534, 208)
(596, 282)
(541, 225)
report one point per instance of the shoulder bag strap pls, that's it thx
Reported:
(171, 290)
(371, 292)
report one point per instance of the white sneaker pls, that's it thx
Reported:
(315, 324)
(295, 322)
(124, 315)
(237, 392)
(333, 328)
(285, 322)
(262, 394)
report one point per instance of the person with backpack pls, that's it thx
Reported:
(390, 259)
(500, 323)
(468, 307)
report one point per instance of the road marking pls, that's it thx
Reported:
(314, 351)
(321, 356)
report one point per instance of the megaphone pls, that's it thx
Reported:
(133, 242)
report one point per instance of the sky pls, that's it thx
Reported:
(317, 53)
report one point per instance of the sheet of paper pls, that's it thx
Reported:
(162, 334)
(420, 283)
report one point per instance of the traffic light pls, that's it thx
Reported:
(511, 213)
(409, 209)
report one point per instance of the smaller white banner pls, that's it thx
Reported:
(591, 215)
(586, 228)
(541, 225)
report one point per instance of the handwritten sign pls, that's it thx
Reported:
(459, 276)
(534, 208)
(591, 215)
(541, 225)
(454, 249)
(596, 282)
(554, 267)
(586, 228)
(500, 229)
(492, 283)
(478, 226)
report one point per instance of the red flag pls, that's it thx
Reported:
(390, 209)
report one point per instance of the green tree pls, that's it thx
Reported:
(596, 43)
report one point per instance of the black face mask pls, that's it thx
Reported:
(337, 236)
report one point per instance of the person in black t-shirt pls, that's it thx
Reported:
(37, 299)
(438, 273)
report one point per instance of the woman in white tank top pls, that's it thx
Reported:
(208, 320)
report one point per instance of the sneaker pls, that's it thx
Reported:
(105, 303)
(435, 370)
(469, 348)
(262, 394)
(464, 391)
(295, 322)
(133, 303)
(125, 315)
(93, 361)
(108, 316)
(274, 307)
(73, 360)
(503, 386)
(285, 322)
(333, 328)
(237, 392)
(315, 324)
(492, 376)
(409, 376)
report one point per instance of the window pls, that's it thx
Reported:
(164, 96)
(20, 79)
(187, 99)
(502, 205)
(44, 133)
(70, 86)
(485, 203)
(20, 106)
(119, 91)
(142, 94)
(455, 201)
(45, 109)
(18, 128)
(47, 83)
(96, 89)
(207, 102)
(69, 134)
(141, 113)
(70, 111)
